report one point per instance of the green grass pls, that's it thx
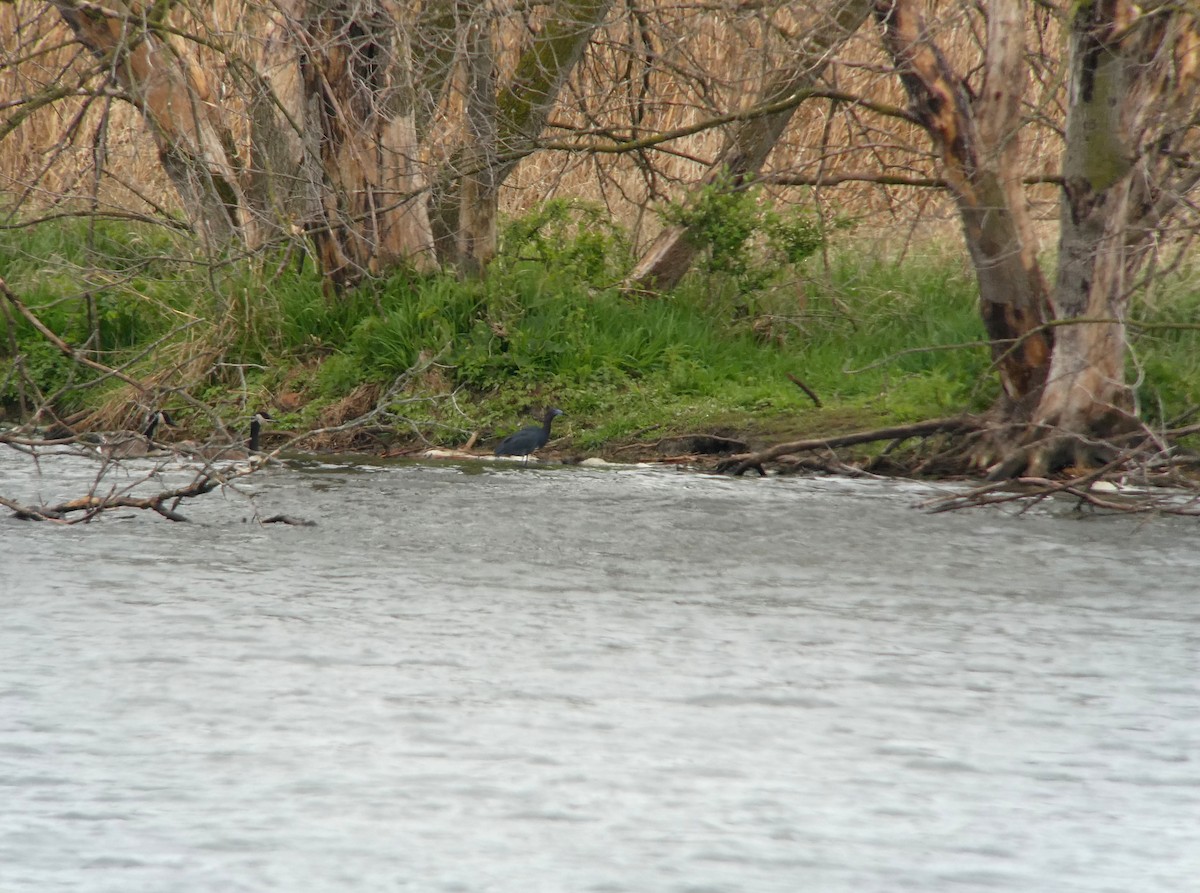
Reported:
(547, 326)
(1164, 361)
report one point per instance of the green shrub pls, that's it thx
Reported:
(742, 237)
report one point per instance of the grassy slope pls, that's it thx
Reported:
(543, 329)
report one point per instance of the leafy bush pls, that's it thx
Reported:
(567, 236)
(742, 237)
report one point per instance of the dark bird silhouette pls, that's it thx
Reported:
(233, 450)
(131, 445)
(525, 441)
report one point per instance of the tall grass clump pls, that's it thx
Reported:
(107, 287)
(909, 333)
(1164, 350)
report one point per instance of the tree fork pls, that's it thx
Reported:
(521, 109)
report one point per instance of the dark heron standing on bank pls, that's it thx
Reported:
(528, 439)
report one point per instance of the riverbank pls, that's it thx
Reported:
(109, 322)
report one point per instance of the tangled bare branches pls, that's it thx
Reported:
(88, 507)
(1147, 471)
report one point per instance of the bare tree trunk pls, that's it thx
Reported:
(357, 77)
(1086, 391)
(521, 110)
(283, 177)
(670, 255)
(1133, 79)
(479, 197)
(194, 144)
(978, 141)
(435, 52)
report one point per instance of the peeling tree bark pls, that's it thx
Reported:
(1130, 137)
(283, 177)
(1087, 390)
(194, 143)
(978, 140)
(671, 253)
(357, 77)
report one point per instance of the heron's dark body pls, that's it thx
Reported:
(525, 441)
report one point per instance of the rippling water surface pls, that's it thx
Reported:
(533, 679)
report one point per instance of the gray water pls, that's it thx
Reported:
(554, 679)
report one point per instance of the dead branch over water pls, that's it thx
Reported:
(90, 506)
(211, 470)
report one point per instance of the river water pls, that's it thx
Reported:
(500, 678)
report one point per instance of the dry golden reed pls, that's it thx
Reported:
(655, 68)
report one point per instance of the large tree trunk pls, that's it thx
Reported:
(521, 110)
(283, 177)
(1086, 392)
(1133, 78)
(978, 141)
(194, 143)
(479, 195)
(672, 252)
(357, 76)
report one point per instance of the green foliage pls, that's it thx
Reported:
(742, 237)
(567, 236)
(1164, 360)
(547, 325)
(46, 368)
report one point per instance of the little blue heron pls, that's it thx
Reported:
(528, 439)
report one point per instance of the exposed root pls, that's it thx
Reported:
(1093, 489)
(1138, 472)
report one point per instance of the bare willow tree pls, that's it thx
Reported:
(367, 126)
(175, 98)
(1130, 141)
(504, 118)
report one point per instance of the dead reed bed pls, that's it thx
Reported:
(658, 67)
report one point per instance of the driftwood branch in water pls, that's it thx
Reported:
(1146, 475)
(215, 473)
(92, 504)
(1089, 489)
(742, 463)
